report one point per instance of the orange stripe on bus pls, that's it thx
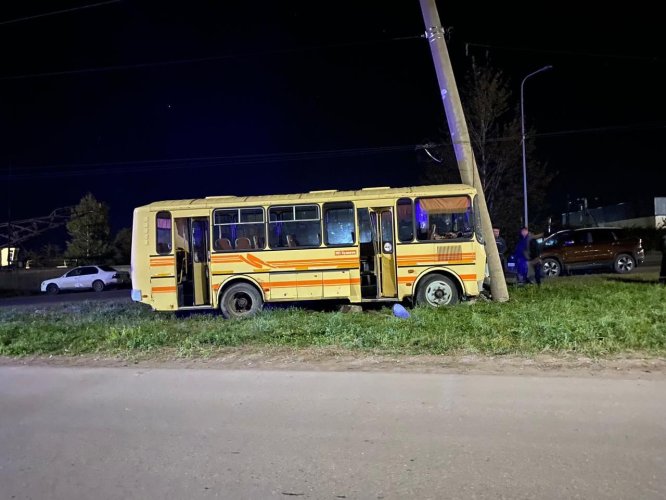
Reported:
(440, 257)
(163, 289)
(255, 261)
(351, 281)
(435, 253)
(433, 263)
(433, 258)
(296, 265)
(309, 261)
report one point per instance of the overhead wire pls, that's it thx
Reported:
(64, 170)
(58, 12)
(135, 166)
(51, 171)
(153, 64)
(599, 55)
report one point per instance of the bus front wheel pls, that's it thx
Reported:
(240, 300)
(437, 290)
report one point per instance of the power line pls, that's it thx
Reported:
(134, 166)
(102, 69)
(119, 67)
(50, 171)
(556, 133)
(567, 52)
(260, 156)
(57, 12)
(612, 128)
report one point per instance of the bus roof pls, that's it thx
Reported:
(317, 196)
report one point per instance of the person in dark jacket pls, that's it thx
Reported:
(522, 256)
(535, 257)
(501, 246)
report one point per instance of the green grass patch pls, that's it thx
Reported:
(592, 316)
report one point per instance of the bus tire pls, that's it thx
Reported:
(240, 300)
(437, 290)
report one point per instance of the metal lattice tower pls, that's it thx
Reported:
(16, 232)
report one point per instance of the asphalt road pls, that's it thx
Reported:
(121, 433)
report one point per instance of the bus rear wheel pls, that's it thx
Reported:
(437, 290)
(240, 300)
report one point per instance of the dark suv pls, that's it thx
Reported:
(589, 248)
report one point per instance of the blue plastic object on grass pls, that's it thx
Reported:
(400, 312)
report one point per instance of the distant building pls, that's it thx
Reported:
(649, 214)
(8, 256)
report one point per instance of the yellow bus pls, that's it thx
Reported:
(421, 244)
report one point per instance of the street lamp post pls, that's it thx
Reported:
(522, 126)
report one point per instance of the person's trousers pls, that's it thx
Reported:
(523, 270)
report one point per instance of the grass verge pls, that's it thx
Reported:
(590, 316)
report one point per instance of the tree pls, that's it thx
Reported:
(494, 128)
(89, 231)
(122, 246)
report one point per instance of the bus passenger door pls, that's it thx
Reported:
(200, 255)
(192, 268)
(381, 220)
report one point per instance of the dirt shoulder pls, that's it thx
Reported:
(634, 367)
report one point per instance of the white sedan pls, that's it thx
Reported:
(85, 278)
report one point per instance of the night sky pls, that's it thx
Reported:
(283, 97)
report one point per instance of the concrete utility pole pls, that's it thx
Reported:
(461, 141)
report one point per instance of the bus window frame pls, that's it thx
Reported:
(293, 206)
(397, 239)
(338, 204)
(239, 222)
(169, 247)
(444, 239)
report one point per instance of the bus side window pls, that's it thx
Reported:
(163, 236)
(405, 220)
(294, 225)
(339, 223)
